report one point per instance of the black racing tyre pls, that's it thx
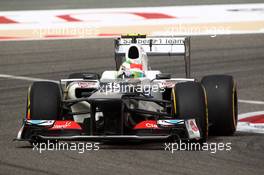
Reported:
(85, 75)
(222, 104)
(190, 100)
(44, 101)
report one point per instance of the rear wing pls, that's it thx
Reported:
(155, 46)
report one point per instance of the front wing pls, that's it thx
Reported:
(40, 130)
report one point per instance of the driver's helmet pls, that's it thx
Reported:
(133, 66)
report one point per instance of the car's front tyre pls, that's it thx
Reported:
(190, 101)
(44, 101)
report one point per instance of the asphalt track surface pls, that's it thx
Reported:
(239, 55)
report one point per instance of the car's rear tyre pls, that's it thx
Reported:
(222, 104)
(190, 100)
(44, 101)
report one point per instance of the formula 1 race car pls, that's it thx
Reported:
(132, 102)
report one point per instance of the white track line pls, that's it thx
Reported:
(24, 78)
(40, 79)
(251, 102)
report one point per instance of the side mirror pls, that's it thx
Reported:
(91, 76)
(163, 76)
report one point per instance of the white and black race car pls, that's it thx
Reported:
(123, 105)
